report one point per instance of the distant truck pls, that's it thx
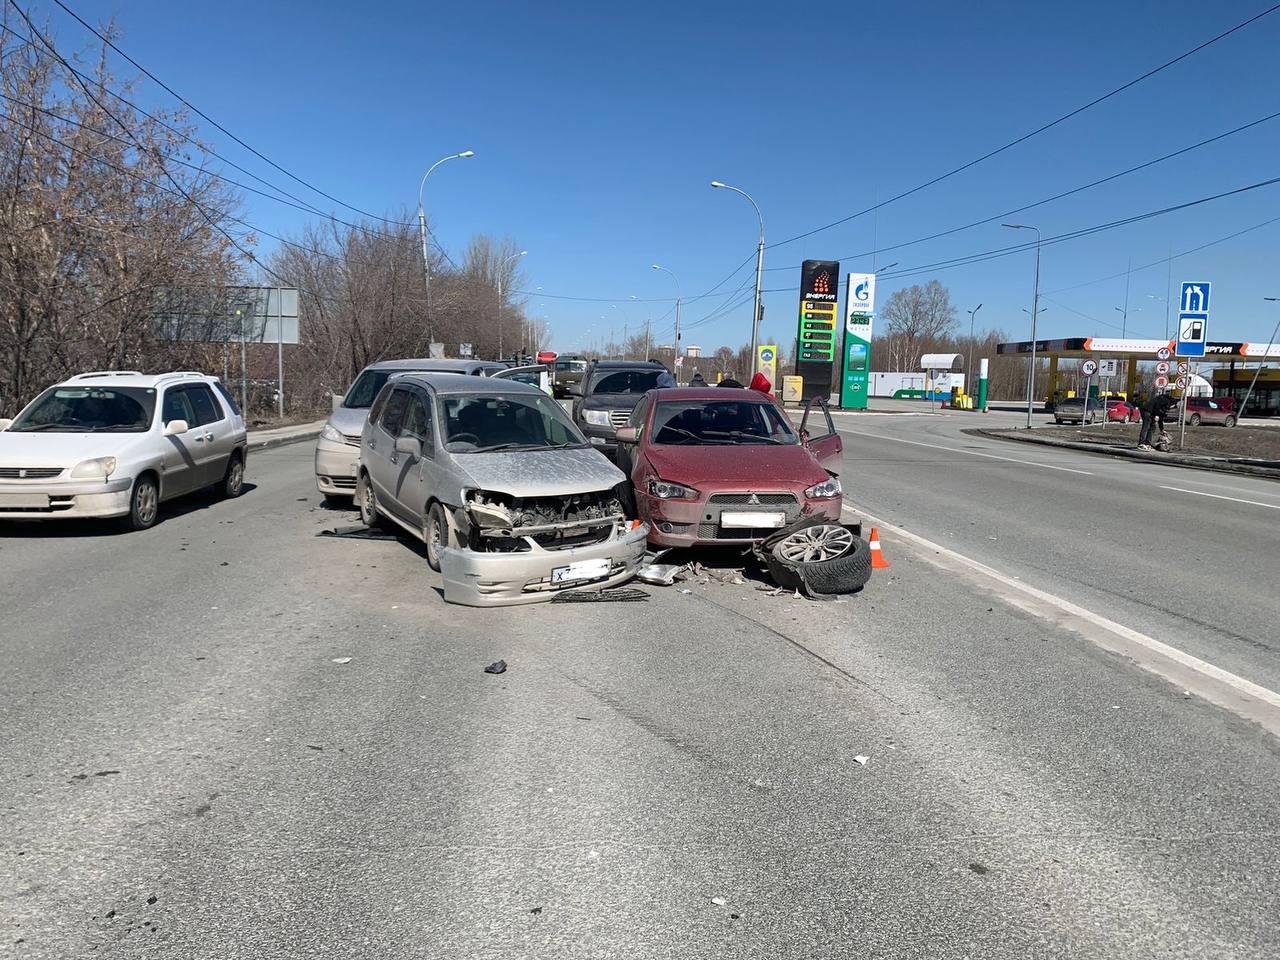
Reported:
(567, 373)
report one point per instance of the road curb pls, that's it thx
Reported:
(1166, 459)
(306, 431)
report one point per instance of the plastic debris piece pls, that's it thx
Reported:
(686, 590)
(341, 660)
(660, 574)
(618, 595)
(358, 532)
(860, 760)
(499, 666)
(718, 901)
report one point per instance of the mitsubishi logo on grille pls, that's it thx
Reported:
(753, 499)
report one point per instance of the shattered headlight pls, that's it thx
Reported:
(825, 490)
(330, 432)
(598, 418)
(97, 469)
(670, 491)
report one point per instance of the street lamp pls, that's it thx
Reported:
(755, 317)
(1124, 322)
(1274, 334)
(969, 364)
(422, 227)
(1035, 310)
(678, 298)
(501, 268)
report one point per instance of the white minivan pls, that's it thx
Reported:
(117, 443)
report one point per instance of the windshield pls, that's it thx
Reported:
(474, 423)
(625, 381)
(720, 421)
(365, 389)
(89, 410)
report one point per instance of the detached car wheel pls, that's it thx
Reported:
(437, 535)
(144, 504)
(825, 559)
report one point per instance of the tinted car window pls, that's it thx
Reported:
(206, 407)
(365, 389)
(177, 406)
(625, 381)
(393, 413)
(89, 410)
(417, 420)
(226, 395)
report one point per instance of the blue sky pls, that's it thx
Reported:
(598, 127)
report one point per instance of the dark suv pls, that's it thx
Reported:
(609, 391)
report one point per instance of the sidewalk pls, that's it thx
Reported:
(278, 436)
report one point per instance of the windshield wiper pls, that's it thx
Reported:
(47, 426)
(513, 445)
(743, 435)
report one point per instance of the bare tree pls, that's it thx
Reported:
(916, 317)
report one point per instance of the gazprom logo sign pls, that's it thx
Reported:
(862, 293)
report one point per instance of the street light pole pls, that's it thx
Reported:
(1035, 310)
(969, 364)
(676, 362)
(755, 316)
(502, 267)
(422, 229)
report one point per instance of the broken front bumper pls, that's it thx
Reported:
(477, 579)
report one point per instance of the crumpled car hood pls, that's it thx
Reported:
(539, 473)
(755, 465)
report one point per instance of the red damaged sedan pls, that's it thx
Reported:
(716, 466)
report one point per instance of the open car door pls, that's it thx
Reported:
(538, 374)
(818, 431)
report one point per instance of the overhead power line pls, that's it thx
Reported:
(1037, 131)
(204, 116)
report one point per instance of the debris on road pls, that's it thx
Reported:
(823, 558)
(616, 595)
(499, 666)
(358, 531)
(861, 760)
(341, 660)
(718, 901)
(660, 574)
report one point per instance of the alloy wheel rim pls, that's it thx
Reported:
(237, 476)
(816, 544)
(146, 502)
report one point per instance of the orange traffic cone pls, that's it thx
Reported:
(878, 562)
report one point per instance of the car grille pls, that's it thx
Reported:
(343, 483)
(29, 473)
(760, 499)
(712, 531)
(619, 418)
(351, 440)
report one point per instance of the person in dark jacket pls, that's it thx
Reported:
(698, 379)
(1154, 413)
(731, 383)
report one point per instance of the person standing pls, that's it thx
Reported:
(1153, 416)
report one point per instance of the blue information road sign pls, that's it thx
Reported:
(1193, 319)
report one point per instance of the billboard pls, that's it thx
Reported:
(816, 326)
(859, 307)
(229, 315)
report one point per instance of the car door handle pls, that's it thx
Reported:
(198, 439)
(208, 436)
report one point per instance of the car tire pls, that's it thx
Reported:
(847, 573)
(1058, 421)
(436, 535)
(1194, 420)
(232, 483)
(1229, 421)
(144, 503)
(367, 503)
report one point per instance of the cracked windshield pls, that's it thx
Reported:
(698, 480)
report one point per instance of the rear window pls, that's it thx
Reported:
(625, 381)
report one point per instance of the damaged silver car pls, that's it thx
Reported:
(511, 501)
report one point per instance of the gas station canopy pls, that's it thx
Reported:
(945, 361)
(1141, 349)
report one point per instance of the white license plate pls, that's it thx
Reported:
(582, 570)
(25, 501)
(732, 519)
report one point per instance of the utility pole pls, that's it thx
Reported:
(968, 367)
(756, 312)
(422, 231)
(1124, 323)
(280, 350)
(1035, 312)
(501, 268)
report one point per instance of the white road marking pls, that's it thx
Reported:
(1241, 696)
(1218, 496)
(972, 453)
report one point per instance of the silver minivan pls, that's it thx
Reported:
(511, 501)
(338, 446)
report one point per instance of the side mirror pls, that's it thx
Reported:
(335, 401)
(411, 446)
(4, 424)
(628, 435)
(175, 428)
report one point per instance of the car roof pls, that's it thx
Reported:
(133, 378)
(449, 383)
(667, 394)
(628, 365)
(437, 365)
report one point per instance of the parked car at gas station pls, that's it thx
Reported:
(717, 466)
(1220, 411)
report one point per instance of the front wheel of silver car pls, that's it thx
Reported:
(144, 503)
(367, 500)
(437, 535)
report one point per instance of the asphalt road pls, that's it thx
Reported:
(189, 773)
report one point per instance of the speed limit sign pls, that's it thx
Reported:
(1162, 367)
(1163, 353)
(1089, 367)
(1162, 381)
